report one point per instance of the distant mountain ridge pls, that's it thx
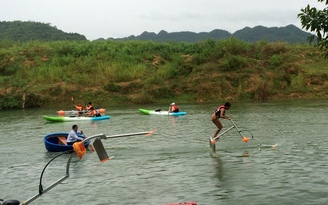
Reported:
(290, 34)
(29, 31)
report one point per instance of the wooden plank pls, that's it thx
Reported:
(62, 140)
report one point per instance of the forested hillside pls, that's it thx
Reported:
(30, 31)
(290, 34)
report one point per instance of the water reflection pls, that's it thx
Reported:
(218, 168)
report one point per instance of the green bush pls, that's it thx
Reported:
(9, 101)
(232, 63)
(233, 46)
(262, 90)
(276, 60)
(298, 81)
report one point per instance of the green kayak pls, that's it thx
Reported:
(73, 118)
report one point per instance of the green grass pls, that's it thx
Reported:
(148, 72)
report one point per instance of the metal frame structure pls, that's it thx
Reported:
(213, 140)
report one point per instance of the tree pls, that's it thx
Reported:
(316, 21)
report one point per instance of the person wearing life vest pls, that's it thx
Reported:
(73, 135)
(220, 113)
(79, 108)
(92, 113)
(89, 106)
(173, 107)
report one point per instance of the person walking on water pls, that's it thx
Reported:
(220, 113)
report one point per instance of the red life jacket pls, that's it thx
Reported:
(174, 107)
(218, 111)
(79, 108)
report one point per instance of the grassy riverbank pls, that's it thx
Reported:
(137, 72)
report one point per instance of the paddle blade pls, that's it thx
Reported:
(101, 152)
(151, 132)
(79, 149)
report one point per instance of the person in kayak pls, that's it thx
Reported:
(89, 106)
(220, 113)
(79, 108)
(92, 113)
(73, 135)
(174, 108)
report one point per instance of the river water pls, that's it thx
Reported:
(175, 163)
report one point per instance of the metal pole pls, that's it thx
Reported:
(223, 132)
(237, 129)
(103, 136)
(52, 185)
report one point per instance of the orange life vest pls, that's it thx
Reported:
(79, 149)
(79, 107)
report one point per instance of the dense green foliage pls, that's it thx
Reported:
(316, 21)
(30, 31)
(290, 34)
(146, 72)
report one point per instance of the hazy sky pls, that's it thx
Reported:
(121, 18)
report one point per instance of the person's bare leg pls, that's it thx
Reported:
(218, 124)
(216, 133)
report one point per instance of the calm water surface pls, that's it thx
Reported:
(175, 164)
